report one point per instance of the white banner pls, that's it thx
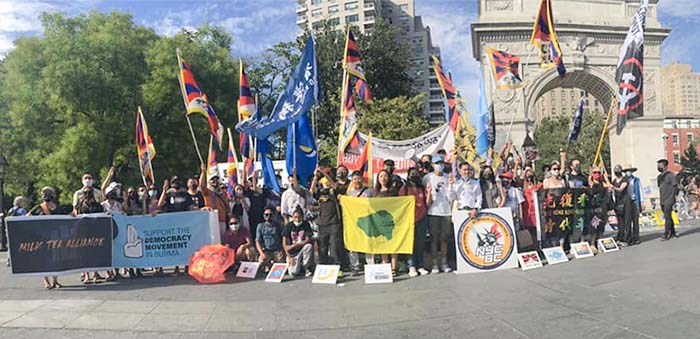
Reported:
(485, 243)
(405, 153)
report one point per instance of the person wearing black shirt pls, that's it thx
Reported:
(194, 193)
(342, 182)
(328, 221)
(396, 182)
(257, 202)
(297, 243)
(174, 199)
(668, 191)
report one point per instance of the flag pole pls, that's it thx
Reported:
(342, 118)
(184, 100)
(613, 103)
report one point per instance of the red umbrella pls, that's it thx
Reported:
(209, 263)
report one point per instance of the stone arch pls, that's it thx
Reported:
(594, 80)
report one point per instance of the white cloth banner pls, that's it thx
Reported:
(406, 153)
(485, 243)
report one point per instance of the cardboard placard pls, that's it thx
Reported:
(248, 270)
(529, 260)
(607, 245)
(378, 274)
(485, 243)
(581, 250)
(326, 274)
(555, 255)
(277, 273)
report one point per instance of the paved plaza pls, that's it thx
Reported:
(646, 291)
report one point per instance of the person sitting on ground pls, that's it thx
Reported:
(268, 240)
(297, 242)
(238, 239)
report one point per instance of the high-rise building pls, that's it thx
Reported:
(679, 134)
(564, 102)
(680, 91)
(401, 13)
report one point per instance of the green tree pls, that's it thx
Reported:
(394, 119)
(551, 136)
(691, 161)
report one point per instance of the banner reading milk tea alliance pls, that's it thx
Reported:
(162, 240)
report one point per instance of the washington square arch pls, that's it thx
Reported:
(590, 33)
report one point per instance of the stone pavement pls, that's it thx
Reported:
(645, 291)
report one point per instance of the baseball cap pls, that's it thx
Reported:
(438, 158)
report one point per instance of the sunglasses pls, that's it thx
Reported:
(267, 215)
(555, 169)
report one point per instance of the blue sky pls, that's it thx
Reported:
(258, 24)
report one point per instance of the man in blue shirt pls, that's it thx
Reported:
(268, 240)
(635, 192)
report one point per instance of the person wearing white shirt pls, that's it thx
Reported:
(291, 198)
(439, 212)
(514, 198)
(466, 191)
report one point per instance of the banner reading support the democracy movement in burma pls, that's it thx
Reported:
(378, 225)
(485, 243)
(55, 245)
(163, 240)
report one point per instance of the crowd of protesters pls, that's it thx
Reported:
(303, 226)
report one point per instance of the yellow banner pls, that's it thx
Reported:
(378, 225)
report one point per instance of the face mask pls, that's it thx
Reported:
(194, 187)
(87, 182)
(47, 197)
(239, 192)
(548, 175)
(530, 178)
(438, 167)
(152, 193)
(596, 176)
(342, 175)
(234, 227)
(661, 169)
(141, 194)
(618, 174)
(488, 175)
(176, 186)
(511, 160)
(555, 173)
(297, 223)
(266, 217)
(577, 168)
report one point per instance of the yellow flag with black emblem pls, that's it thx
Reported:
(378, 225)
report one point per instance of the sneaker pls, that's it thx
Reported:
(423, 271)
(355, 272)
(412, 272)
(340, 274)
(446, 269)
(309, 273)
(435, 270)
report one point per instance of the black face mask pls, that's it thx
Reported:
(577, 168)
(661, 169)
(488, 176)
(618, 174)
(530, 178)
(47, 197)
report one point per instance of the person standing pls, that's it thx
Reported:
(555, 179)
(88, 198)
(328, 220)
(15, 211)
(383, 188)
(414, 187)
(194, 193)
(530, 188)
(493, 195)
(636, 197)
(294, 196)
(356, 189)
(623, 205)
(514, 199)
(48, 206)
(174, 199)
(668, 190)
(439, 212)
(599, 201)
(342, 182)
(214, 198)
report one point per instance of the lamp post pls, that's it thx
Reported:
(3, 239)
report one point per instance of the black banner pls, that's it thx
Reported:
(52, 245)
(564, 212)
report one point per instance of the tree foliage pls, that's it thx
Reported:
(551, 136)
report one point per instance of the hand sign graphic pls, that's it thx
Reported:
(133, 247)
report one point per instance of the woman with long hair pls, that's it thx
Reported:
(493, 194)
(48, 206)
(382, 188)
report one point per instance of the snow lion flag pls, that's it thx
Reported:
(378, 225)
(630, 71)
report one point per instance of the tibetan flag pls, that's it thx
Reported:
(505, 68)
(301, 149)
(378, 225)
(362, 90)
(577, 122)
(191, 92)
(630, 71)
(367, 168)
(212, 165)
(544, 37)
(215, 126)
(246, 102)
(232, 170)
(145, 149)
(352, 62)
(449, 92)
(348, 122)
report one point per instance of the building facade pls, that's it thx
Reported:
(564, 102)
(680, 91)
(363, 14)
(679, 134)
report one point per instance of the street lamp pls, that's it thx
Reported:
(3, 165)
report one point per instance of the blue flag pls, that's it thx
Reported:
(578, 119)
(301, 93)
(482, 121)
(268, 170)
(301, 149)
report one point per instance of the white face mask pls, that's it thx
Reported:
(87, 182)
(234, 227)
(438, 167)
(297, 223)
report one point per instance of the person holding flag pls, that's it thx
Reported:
(214, 199)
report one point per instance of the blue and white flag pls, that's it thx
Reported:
(268, 170)
(301, 149)
(576, 125)
(482, 122)
(302, 92)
